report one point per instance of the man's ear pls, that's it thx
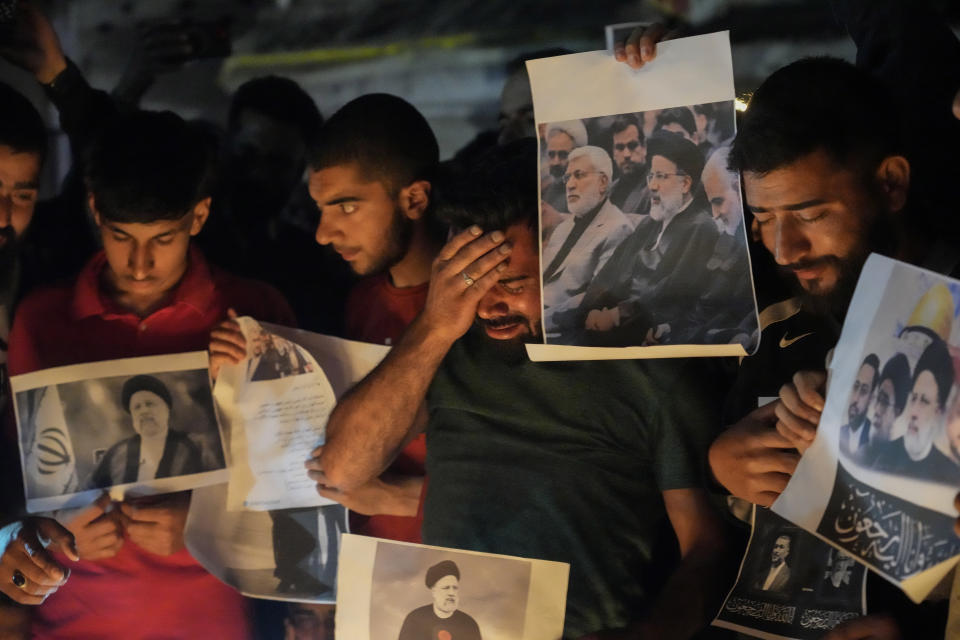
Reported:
(93, 209)
(415, 198)
(893, 176)
(687, 184)
(604, 182)
(201, 211)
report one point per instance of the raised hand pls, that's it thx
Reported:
(227, 344)
(466, 268)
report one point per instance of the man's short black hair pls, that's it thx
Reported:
(144, 383)
(936, 359)
(872, 361)
(493, 191)
(147, 166)
(441, 569)
(678, 150)
(21, 127)
(679, 115)
(897, 371)
(280, 99)
(384, 136)
(813, 104)
(623, 121)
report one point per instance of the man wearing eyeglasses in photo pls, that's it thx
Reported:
(629, 151)
(647, 291)
(562, 138)
(581, 245)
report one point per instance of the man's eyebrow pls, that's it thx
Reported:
(512, 279)
(341, 200)
(806, 204)
(30, 184)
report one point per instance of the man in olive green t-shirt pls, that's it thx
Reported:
(593, 463)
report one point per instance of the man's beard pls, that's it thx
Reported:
(669, 204)
(585, 204)
(918, 445)
(880, 238)
(514, 349)
(399, 235)
(854, 417)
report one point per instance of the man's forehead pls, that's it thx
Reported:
(19, 169)
(811, 180)
(663, 162)
(150, 229)
(339, 180)
(630, 133)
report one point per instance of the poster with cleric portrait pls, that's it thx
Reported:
(643, 250)
(879, 479)
(136, 426)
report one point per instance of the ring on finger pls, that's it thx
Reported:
(467, 279)
(18, 579)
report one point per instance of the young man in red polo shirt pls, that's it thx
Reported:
(146, 293)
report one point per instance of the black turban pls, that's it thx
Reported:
(440, 570)
(144, 383)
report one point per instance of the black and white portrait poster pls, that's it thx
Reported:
(135, 426)
(643, 246)
(400, 591)
(284, 554)
(881, 475)
(791, 585)
(275, 406)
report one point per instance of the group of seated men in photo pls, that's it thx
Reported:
(623, 469)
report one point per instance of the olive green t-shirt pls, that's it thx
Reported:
(567, 462)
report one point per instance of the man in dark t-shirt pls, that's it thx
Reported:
(441, 620)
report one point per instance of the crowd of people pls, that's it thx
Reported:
(623, 469)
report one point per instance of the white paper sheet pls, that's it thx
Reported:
(76, 437)
(894, 520)
(709, 309)
(381, 582)
(277, 409)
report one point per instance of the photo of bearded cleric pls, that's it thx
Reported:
(902, 408)
(643, 241)
(101, 432)
(423, 593)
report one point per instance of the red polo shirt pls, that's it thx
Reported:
(379, 312)
(136, 594)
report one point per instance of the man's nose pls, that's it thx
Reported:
(493, 305)
(790, 244)
(140, 261)
(326, 230)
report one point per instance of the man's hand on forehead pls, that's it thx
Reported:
(465, 269)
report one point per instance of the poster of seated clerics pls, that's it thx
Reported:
(136, 426)
(401, 591)
(879, 479)
(643, 246)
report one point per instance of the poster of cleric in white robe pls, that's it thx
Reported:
(880, 478)
(643, 246)
(134, 426)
